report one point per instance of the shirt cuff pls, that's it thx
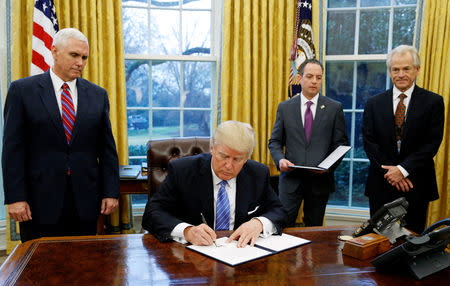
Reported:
(404, 172)
(177, 233)
(268, 227)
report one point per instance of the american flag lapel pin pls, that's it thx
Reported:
(322, 106)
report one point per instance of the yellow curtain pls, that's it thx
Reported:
(435, 76)
(101, 22)
(257, 37)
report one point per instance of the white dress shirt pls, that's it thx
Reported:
(269, 228)
(304, 106)
(57, 86)
(395, 100)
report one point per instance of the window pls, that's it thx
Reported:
(359, 34)
(171, 63)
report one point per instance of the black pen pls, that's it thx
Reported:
(204, 221)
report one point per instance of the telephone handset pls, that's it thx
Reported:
(422, 255)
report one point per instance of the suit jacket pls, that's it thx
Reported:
(421, 138)
(36, 155)
(188, 191)
(328, 132)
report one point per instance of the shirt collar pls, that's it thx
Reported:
(396, 92)
(58, 82)
(314, 100)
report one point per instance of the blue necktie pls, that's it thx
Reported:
(222, 208)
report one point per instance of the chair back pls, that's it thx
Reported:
(161, 151)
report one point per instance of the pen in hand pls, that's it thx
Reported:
(204, 221)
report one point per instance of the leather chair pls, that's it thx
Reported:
(161, 151)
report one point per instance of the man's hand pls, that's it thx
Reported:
(108, 205)
(393, 175)
(404, 185)
(247, 232)
(19, 211)
(284, 165)
(200, 234)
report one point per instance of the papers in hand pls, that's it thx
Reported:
(230, 254)
(337, 154)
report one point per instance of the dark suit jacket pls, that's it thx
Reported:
(36, 155)
(420, 142)
(328, 132)
(188, 191)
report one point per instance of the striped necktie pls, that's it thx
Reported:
(222, 208)
(68, 112)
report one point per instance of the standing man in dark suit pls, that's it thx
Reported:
(225, 189)
(307, 128)
(60, 165)
(402, 130)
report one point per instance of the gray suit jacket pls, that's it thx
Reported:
(328, 132)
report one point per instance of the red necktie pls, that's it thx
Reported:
(68, 112)
(400, 117)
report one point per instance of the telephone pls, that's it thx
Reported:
(384, 220)
(421, 255)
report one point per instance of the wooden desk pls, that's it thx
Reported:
(134, 186)
(139, 259)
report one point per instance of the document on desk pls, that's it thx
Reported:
(337, 154)
(230, 254)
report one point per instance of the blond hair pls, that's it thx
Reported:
(236, 135)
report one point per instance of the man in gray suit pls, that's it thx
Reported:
(308, 127)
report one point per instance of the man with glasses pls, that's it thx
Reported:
(223, 190)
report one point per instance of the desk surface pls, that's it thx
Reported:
(141, 260)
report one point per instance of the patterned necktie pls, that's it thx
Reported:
(308, 120)
(400, 117)
(222, 208)
(68, 111)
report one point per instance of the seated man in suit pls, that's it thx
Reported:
(223, 190)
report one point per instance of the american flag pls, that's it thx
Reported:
(303, 43)
(45, 26)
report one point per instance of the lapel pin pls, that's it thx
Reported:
(322, 106)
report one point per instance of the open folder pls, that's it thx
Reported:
(337, 154)
(230, 254)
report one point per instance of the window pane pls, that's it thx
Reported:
(137, 82)
(348, 126)
(138, 199)
(197, 84)
(371, 80)
(165, 4)
(339, 82)
(358, 147)
(165, 84)
(142, 3)
(340, 195)
(138, 132)
(166, 124)
(373, 3)
(360, 170)
(404, 2)
(403, 31)
(341, 3)
(340, 32)
(165, 32)
(196, 123)
(135, 30)
(203, 4)
(196, 32)
(373, 33)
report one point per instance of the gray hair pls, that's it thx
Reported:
(62, 36)
(401, 50)
(236, 135)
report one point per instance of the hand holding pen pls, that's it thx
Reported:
(204, 221)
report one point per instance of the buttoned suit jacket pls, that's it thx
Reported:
(422, 136)
(288, 141)
(36, 156)
(188, 191)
